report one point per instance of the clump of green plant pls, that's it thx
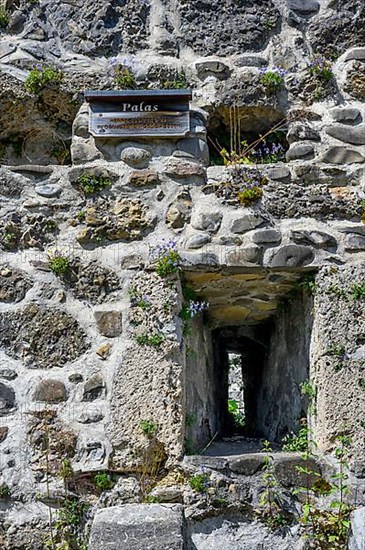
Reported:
(244, 186)
(103, 481)
(4, 491)
(308, 284)
(91, 184)
(38, 78)
(148, 427)
(336, 349)
(238, 419)
(10, 239)
(123, 75)
(321, 68)
(4, 17)
(328, 528)
(272, 79)
(58, 263)
(309, 390)
(155, 339)
(297, 443)
(269, 512)
(139, 301)
(178, 83)
(357, 291)
(337, 291)
(151, 499)
(168, 258)
(66, 470)
(67, 525)
(199, 482)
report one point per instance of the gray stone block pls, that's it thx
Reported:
(262, 236)
(355, 53)
(247, 465)
(290, 255)
(137, 527)
(302, 132)
(347, 114)
(303, 7)
(279, 172)
(342, 155)
(355, 242)
(357, 538)
(246, 222)
(300, 151)
(349, 134)
(196, 241)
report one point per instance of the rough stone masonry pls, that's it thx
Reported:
(111, 407)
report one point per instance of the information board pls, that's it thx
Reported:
(145, 113)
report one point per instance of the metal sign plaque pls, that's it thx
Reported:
(145, 113)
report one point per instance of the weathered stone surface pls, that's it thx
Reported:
(135, 156)
(179, 212)
(357, 536)
(247, 220)
(90, 416)
(157, 526)
(206, 221)
(48, 191)
(7, 399)
(339, 28)
(280, 172)
(314, 238)
(123, 219)
(104, 350)
(346, 114)
(350, 134)
(94, 388)
(303, 7)
(355, 242)
(42, 337)
(243, 254)
(342, 155)
(197, 241)
(13, 284)
(262, 236)
(91, 281)
(50, 391)
(289, 255)
(246, 465)
(8, 374)
(109, 323)
(242, 25)
(286, 470)
(355, 53)
(142, 178)
(3, 433)
(181, 168)
(300, 151)
(302, 132)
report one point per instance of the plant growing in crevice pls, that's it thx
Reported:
(91, 184)
(4, 491)
(148, 427)
(42, 77)
(321, 68)
(297, 443)
(154, 339)
(272, 79)
(244, 187)
(103, 481)
(192, 307)
(139, 301)
(357, 291)
(308, 284)
(4, 17)
(123, 74)
(168, 258)
(199, 482)
(269, 512)
(58, 263)
(328, 528)
(178, 83)
(309, 390)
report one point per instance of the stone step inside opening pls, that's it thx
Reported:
(246, 360)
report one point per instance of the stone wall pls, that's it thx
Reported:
(79, 380)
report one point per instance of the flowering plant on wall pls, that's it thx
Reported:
(168, 259)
